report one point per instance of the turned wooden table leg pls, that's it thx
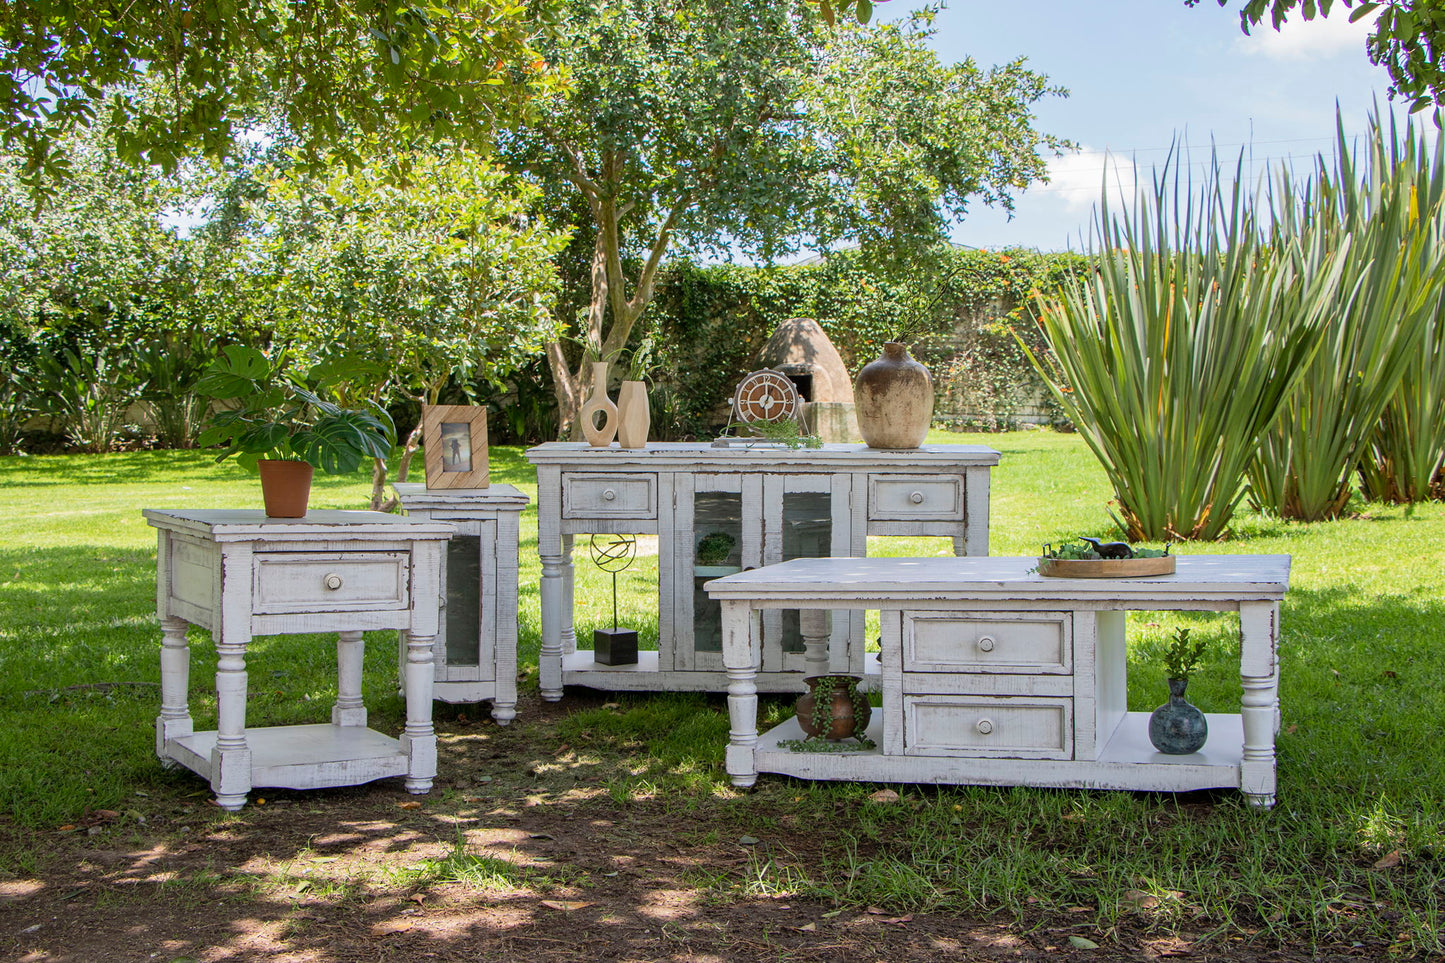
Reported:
(815, 625)
(174, 721)
(419, 739)
(741, 656)
(350, 653)
(1259, 705)
(231, 759)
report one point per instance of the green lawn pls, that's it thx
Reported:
(1360, 781)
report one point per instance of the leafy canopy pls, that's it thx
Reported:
(166, 79)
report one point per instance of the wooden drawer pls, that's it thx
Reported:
(915, 498)
(608, 496)
(1028, 642)
(954, 725)
(292, 582)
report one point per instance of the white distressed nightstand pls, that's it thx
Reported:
(241, 574)
(996, 675)
(476, 649)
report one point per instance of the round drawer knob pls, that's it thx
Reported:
(333, 581)
(984, 726)
(986, 643)
(916, 498)
(609, 495)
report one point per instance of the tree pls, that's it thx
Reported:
(409, 287)
(338, 71)
(734, 125)
(1408, 38)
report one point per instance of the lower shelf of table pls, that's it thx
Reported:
(579, 668)
(302, 757)
(1128, 761)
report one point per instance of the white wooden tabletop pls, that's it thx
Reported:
(896, 579)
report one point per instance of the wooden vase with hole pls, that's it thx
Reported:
(599, 436)
(285, 487)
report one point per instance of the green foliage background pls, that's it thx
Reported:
(708, 324)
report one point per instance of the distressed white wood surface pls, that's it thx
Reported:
(1051, 711)
(241, 574)
(586, 490)
(492, 515)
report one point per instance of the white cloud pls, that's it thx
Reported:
(1076, 179)
(1319, 39)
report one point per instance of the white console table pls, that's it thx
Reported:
(476, 649)
(774, 503)
(240, 574)
(995, 675)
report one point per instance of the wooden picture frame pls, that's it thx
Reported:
(454, 439)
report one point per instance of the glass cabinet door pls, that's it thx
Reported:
(717, 538)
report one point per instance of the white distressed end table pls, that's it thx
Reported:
(476, 647)
(241, 574)
(772, 503)
(995, 675)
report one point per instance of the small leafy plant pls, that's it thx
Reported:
(714, 548)
(1182, 655)
(784, 432)
(277, 417)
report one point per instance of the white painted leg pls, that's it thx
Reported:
(349, 709)
(419, 739)
(741, 654)
(1259, 705)
(569, 597)
(231, 758)
(549, 659)
(814, 625)
(175, 718)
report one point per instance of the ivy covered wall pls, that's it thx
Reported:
(707, 325)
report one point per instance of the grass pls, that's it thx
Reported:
(1361, 785)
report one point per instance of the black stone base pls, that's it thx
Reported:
(614, 646)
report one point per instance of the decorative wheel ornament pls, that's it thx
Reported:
(765, 395)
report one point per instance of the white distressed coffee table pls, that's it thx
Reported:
(995, 675)
(241, 574)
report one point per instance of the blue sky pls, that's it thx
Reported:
(1142, 73)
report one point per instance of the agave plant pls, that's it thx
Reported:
(1390, 294)
(1181, 349)
(1406, 462)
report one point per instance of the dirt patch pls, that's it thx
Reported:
(517, 854)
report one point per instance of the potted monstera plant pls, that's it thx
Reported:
(276, 425)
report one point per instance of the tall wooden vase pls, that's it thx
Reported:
(599, 436)
(894, 399)
(634, 417)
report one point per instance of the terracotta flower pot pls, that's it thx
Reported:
(285, 487)
(894, 398)
(845, 712)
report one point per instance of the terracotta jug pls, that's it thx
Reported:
(894, 397)
(634, 417)
(599, 436)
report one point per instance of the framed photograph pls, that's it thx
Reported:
(454, 438)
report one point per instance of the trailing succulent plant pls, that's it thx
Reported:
(824, 689)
